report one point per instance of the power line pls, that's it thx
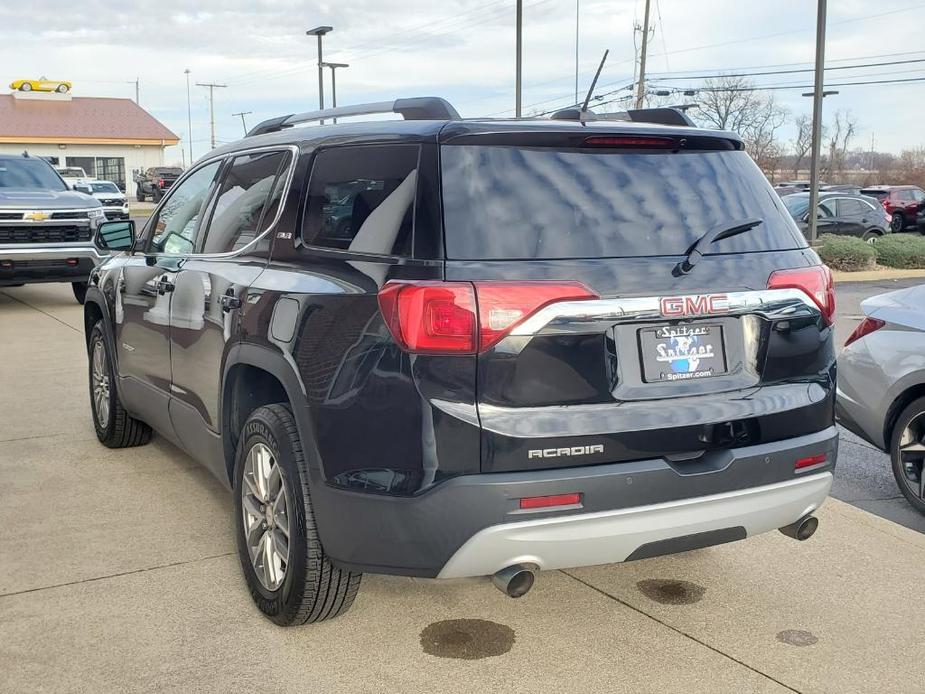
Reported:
(791, 72)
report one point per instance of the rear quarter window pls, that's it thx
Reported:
(518, 202)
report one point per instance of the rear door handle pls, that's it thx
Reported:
(164, 285)
(230, 302)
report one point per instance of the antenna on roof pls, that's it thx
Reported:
(584, 106)
(581, 113)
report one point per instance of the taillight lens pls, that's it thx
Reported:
(865, 327)
(815, 282)
(504, 305)
(465, 317)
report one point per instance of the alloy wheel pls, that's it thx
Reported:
(265, 505)
(100, 377)
(912, 456)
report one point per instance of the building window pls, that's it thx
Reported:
(111, 169)
(85, 163)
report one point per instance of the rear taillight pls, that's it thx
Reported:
(865, 327)
(533, 502)
(815, 282)
(810, 461)
(160, 183)
(465, 317)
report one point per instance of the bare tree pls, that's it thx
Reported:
(733, 103)
(802, 142)
(840, 131)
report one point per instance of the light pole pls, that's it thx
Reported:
(334, 67)
(320, 32)
(189, 120)
(818, 94)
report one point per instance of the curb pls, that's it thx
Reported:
(882, 274)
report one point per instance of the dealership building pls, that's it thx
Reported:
(110, 139)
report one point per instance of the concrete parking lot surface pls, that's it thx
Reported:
(118, 572)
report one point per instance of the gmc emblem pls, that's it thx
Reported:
(694, 305)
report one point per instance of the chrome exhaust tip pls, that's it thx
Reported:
(514, 581)
(803, 529)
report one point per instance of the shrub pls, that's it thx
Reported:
(846, 253)
(901, 251)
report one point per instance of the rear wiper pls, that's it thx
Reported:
(696, 251)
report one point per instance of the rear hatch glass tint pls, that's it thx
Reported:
(503, 202)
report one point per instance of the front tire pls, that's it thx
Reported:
(115, 428)
(80, 291)
(897, 222)
(907, 452)
(25, 87)
(62, 89)
(871, 237)
(286, 569)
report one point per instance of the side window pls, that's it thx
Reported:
(246, 202)
(918, 195)
(825, 210)
(849, 208)
(361, 199)
(177, 223)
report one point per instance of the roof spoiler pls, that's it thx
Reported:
(662, 116)
(414, 108)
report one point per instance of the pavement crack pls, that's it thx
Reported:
(46, 313)
(115, 575)
(680, 632)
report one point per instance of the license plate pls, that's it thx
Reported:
(682, 352)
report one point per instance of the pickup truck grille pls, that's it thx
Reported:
(112, 202)
(51, 233)
(70, 215)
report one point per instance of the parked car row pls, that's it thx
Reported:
(903, 208)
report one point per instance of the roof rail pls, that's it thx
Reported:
(415, 108)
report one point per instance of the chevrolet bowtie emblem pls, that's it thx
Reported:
(37, 216)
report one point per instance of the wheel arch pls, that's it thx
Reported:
(899, 403)
(254, 376)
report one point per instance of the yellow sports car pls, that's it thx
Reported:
(41, 85)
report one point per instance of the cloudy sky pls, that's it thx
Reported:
(460, 49)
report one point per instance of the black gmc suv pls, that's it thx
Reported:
(533, 344)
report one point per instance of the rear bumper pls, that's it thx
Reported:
(472, 524)
(34, 263)
(636, 533)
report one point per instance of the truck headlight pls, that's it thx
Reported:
(96, 213)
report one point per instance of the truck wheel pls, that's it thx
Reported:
(62, 89)
(287, 571)
(907, 452)
(157, 195)
(139, 194)
(25, 87)
(115, 428)
(80, 291)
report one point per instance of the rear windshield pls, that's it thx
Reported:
(874, 193)
(510, 202)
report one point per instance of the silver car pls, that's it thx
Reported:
(881, 384)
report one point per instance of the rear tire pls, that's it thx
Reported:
(157, 195)
(61, 89)
(25, 87)
(139, 194)
(897, 222)
(304, 587)
(909, 467)
(115, 428)
(80, 291)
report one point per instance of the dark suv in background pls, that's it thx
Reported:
(842, 214)
(441, 347)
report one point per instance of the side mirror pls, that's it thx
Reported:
(115, 236)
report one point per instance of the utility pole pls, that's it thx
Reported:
(189, 119)
(243, 122)
(518, 60)
(135, 82)
(817, 118)
(577, 13)
(641, 86)
(211, 86)
(320, 32)
(334, 67)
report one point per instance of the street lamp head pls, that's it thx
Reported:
(319, 31)
(334, 65)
